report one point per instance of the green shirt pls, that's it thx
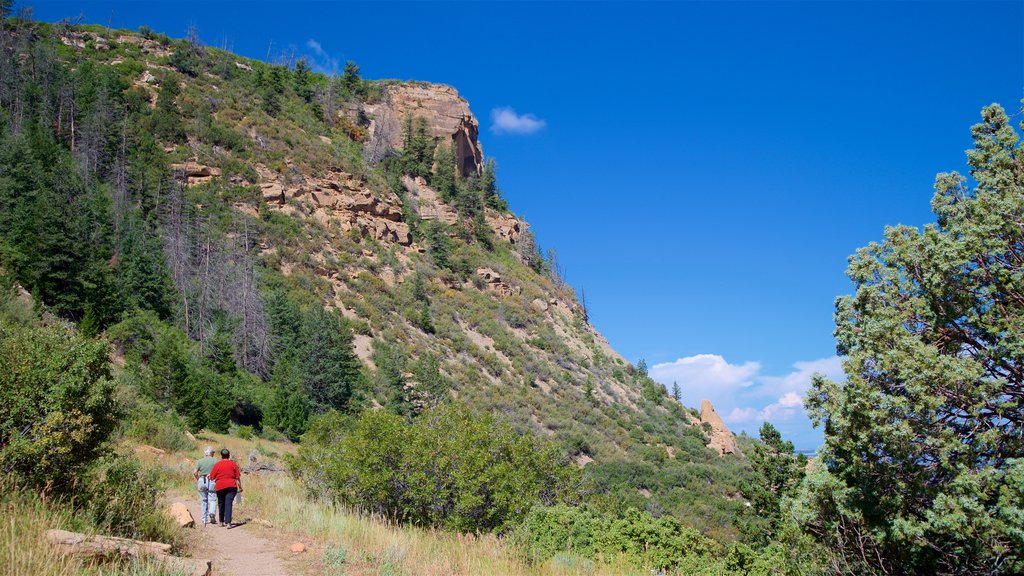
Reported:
(205, 465)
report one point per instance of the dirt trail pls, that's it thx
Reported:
(239, 551)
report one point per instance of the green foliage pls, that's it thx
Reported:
(922, 441)
(643, 540)
(776, 474)
(350, 78)
(123, 499)
(56, 406)
(417, 147)
(449, 468)
(443, 178)
(489, 187)
(162, 431)
(330, 369)
(172, 371)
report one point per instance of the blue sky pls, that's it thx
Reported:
(703, 169)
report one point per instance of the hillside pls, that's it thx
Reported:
(266, 250)
(227, 200)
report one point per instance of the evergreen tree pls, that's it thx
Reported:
(303, 80)
(425, 321)
(923, 442)
(489, 187)
(776, 473)
(350, 79)
(443, 179)
(330, 369)
(676, 394)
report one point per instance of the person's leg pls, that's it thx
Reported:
(229, 498)
(220, 504)
(212, 496)
(204, 499)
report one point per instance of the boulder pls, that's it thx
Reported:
(539, 306)
(297, 548)
(272, 192)
(181, 515)
(722, 440)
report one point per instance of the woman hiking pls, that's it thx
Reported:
(228, 480)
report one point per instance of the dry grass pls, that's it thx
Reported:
(24, 520)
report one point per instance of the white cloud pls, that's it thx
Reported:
(321, 61)
(744, 395)
(707, 374)
(504, 120)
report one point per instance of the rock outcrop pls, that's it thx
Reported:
(722, 440)
(193, 173)
(447, 115)
(341, 199)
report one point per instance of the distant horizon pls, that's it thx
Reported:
(702, 172)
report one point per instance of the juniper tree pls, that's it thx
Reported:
(923, 442)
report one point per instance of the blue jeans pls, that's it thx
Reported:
(207, 498)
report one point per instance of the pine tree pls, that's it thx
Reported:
(923, 440)
(443, 179)
(329, 367)
(489, 187)
(350, 79)
(676, 394)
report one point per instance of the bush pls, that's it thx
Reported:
(160, 431)
(56, 404)
(123, 499)
(449, 468)
(659, 543)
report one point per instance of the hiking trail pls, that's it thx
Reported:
(239, 551)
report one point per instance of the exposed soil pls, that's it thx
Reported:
(244, 550)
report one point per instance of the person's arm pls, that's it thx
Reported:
(195, 472)
(238, 477)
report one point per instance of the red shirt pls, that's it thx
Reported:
(226, 473)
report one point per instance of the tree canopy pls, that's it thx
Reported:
(923, 440)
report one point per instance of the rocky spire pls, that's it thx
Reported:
(722, 440)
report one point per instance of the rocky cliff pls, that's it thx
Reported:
(447, 115)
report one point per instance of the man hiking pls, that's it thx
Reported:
(207, 492)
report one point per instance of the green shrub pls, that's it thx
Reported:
(449, 468)
(659, 543)
(162, 431)
(56, 404)
(123, 499)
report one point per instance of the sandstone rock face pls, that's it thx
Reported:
(447, 115)
(505, 226)
(339, 199)
(722, 440)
